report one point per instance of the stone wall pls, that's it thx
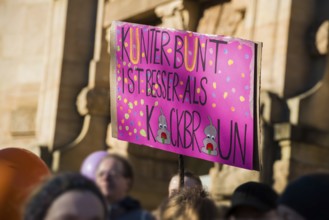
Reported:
(76, 93)
(24, 41)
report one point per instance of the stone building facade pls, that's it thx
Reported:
(54, 87)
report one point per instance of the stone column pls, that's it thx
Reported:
(75, 66)
(307, 66)
(50, 86)
(93, 103)
(310, 133)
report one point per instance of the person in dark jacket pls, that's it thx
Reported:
(114, 177)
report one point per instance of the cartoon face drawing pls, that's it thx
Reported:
(163, 135)
(209, 143)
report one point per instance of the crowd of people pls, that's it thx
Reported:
(103, 194)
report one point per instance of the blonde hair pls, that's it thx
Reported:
(189, 203)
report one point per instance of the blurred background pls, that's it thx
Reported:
(55, 94)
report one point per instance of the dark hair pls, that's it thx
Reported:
(37, 207)
(189, 203)
(127, 168)
(254, 194)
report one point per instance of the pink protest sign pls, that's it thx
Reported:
(184, 92)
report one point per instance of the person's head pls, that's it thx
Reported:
(66, 196)
(306, 198)
(253, 200)
(114, 177)
(189, 203)
(190, 180)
